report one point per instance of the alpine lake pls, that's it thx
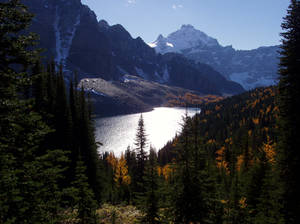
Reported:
(161, 124)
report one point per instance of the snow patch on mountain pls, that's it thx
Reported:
(91, 90)
(185, 38)
(169, 44)
(57, 36)
(141, 73)
(63, 37)
(153, 45)
(123, 71)
(158, 78)
(129, 78)
(250, 68)
(162, 77)
(166, 74)
(249, 81)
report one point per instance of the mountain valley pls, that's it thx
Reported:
(187, 59)
(72, 36)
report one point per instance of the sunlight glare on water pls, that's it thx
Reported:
(161, 124)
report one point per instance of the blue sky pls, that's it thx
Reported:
(244, 24)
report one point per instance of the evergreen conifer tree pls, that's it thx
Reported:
(88, 147)
(84, 197)
(267, 209)
(141, 156)
(194, 189)
(148, 201)
(29, 173)
(289, 121)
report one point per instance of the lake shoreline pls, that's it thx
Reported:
(97, 116)
(161, 124)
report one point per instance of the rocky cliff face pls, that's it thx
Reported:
(250, 68)
(70, 33)
(72, 36)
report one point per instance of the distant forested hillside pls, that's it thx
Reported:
(247, 120)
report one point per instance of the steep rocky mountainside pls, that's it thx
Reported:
(72, 36)
(250, 68)
(70, 33)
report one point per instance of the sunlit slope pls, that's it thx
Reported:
(236, 124)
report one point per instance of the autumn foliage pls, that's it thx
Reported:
(191, 100)
(239, 135)
(120, 169)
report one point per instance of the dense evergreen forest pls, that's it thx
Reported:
(236, 162)
(233, 142)
(49, 163)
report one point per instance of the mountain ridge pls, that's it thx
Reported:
(250, 68)
(74, 37)
(184, 38)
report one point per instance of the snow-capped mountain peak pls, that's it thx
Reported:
(162, 43)
(250, 68)
(189, 36)
(186, 37)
